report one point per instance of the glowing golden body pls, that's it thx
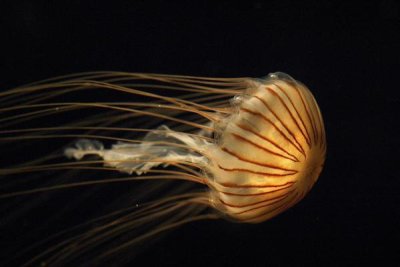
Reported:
(271, 151)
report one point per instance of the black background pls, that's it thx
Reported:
(348, 55)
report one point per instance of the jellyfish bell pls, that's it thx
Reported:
(256, 146)
(271, 151)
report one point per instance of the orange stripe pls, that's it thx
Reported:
(254, 203)
(256, 162)
(255, 194)
(241, 138)
(284, 206)
(254, 172)
(273, 124)
(321, 127)
(232, 185)
(300, 148)
(297, 112)
(290, 113)
(311, 119)
(263, 206)
(245, 128)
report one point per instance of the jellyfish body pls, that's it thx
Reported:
(256, 145)
(271, 151)
(267, 154)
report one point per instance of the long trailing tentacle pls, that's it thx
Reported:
(130, 226)
(42, 120)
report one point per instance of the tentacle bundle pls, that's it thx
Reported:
(152, 128)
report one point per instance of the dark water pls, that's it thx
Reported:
(346, 53)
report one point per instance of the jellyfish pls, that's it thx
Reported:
(240, 149)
